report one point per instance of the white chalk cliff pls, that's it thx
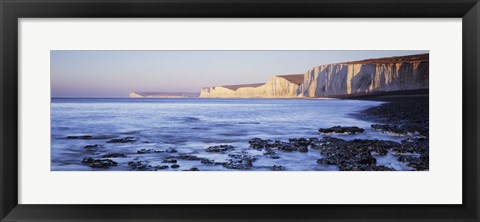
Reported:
(277, 87)
(348, 78)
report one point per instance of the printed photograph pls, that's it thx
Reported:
(311, 110)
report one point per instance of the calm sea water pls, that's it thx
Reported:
(192, 125)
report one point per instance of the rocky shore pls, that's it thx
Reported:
(335, 147)
(404, 115)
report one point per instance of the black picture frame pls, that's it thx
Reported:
(12, 10)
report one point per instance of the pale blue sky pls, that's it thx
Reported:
(116, 73)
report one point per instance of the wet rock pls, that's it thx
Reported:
(139, 165)
(277, 168)
(271, 154)
(169, 161)
(418, 163)
(144, 166)
(170, 150)
(365, 168)
(284, 146)
(239, 162)
(366, 159)
(342, 129)
(302, 149)
(89, 137)
(84, 137)
(258, 143)
(413, 145)
(401, 130)
(123, 140)
(142, 151)
(242, 156)
(99, 163)
(299, 145)
(114, 155)
(208, 162)
(404, 114)
(188, 157)
(300, 142)
(161, 167)
(211, 162)
(175, 166)
(219, 149)
(327, 161)
(295, 144)
(352, 155)
(91, 146)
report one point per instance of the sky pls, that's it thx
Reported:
(116, 73)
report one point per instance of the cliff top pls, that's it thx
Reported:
(394, 59)
(235, 87)
(294, 78)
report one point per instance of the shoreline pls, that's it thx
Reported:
(403, 115)
(336, 146)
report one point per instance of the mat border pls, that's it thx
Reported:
(12, 10)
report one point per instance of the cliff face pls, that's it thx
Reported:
(365, 76)
(277, 87)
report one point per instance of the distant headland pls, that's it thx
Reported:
(163, 95)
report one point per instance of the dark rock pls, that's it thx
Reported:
(193, 169)
(188, 157)
(175, 166)
(302, 149)
(277, 168)
(283, 146)
(271, 154)
(300, 142)
(366, 168)
(142, 151)
(258, 143)
(396, 129)
(219, 149)
(161, 167)
(170, 150)
(169, 161)
(123, 140)
(114, 155)
(140, 165)
(295, 144)
(327, 161)
(342, 129)
(413, 145)
(405, 114)
(366, 159)
(99, 163)
(85, 137)
(90, 137)
(91, 146)
(239, 161)
(207, 162)
(418, 163)
(352, 155)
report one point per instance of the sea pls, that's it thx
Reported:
(155, 128)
